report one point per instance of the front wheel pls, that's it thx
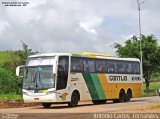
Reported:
(74, 100)
(46, 105)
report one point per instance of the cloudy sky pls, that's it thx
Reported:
(75, 25)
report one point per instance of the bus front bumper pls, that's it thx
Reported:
(40, 98)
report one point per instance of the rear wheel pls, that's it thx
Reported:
(128, 95)
(74, 99)
(46, 105)
(122, 96)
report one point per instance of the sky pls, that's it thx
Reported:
(75, 25)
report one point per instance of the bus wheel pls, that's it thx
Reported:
(74, 99)
(46, 105)
(122, 96)
(129, 95)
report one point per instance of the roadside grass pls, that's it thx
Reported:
(11, 96)
(153, 89)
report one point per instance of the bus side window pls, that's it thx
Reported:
(100, 66)
(110, 67)
(136, 68)
(89, 65)
(76, 64)
(124, 67)
(130, 68)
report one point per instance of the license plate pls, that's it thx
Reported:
(36, 98)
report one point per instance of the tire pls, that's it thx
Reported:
(122, 97)
(74, 99)
(46, 105)
(129, 95)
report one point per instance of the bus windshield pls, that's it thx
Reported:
(38, 77)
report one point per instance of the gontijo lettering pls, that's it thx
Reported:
(118, 78)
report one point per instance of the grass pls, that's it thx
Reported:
(10, 96)
(152, 89)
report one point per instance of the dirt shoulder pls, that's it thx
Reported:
(147, 108)
(15, 104)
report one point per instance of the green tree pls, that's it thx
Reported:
(9, 60)
(25, 52)
(151, 54)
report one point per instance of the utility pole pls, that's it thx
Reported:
(140, 34)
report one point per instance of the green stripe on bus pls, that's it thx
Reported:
(91, 87)
(98, 86)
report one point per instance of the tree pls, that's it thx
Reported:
(25, 52)
(151, 54)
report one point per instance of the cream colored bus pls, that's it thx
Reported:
(70, 78)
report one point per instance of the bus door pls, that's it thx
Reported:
(62, 78)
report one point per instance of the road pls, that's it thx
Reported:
(83, 108)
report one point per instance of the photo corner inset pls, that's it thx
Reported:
(15, 4)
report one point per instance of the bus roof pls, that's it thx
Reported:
(102, 56)
(90, 54)
(50, 55)
(85, 54)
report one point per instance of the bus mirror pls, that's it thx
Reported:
(19, 70)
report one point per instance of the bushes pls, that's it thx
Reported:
(9, 60)
(8, 82)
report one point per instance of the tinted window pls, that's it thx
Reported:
(124, 67)
(101, 66)
(76, 64)
(89, 65)
(111, 67)
(136, 68)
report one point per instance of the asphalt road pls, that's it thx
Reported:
(86, 109)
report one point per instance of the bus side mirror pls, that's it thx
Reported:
(18, 70)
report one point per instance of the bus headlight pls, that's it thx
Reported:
(50, 92)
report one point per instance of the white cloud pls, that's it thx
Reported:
(89, 23)
(76, 25)
(3, 26)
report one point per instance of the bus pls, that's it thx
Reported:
(53, 78)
